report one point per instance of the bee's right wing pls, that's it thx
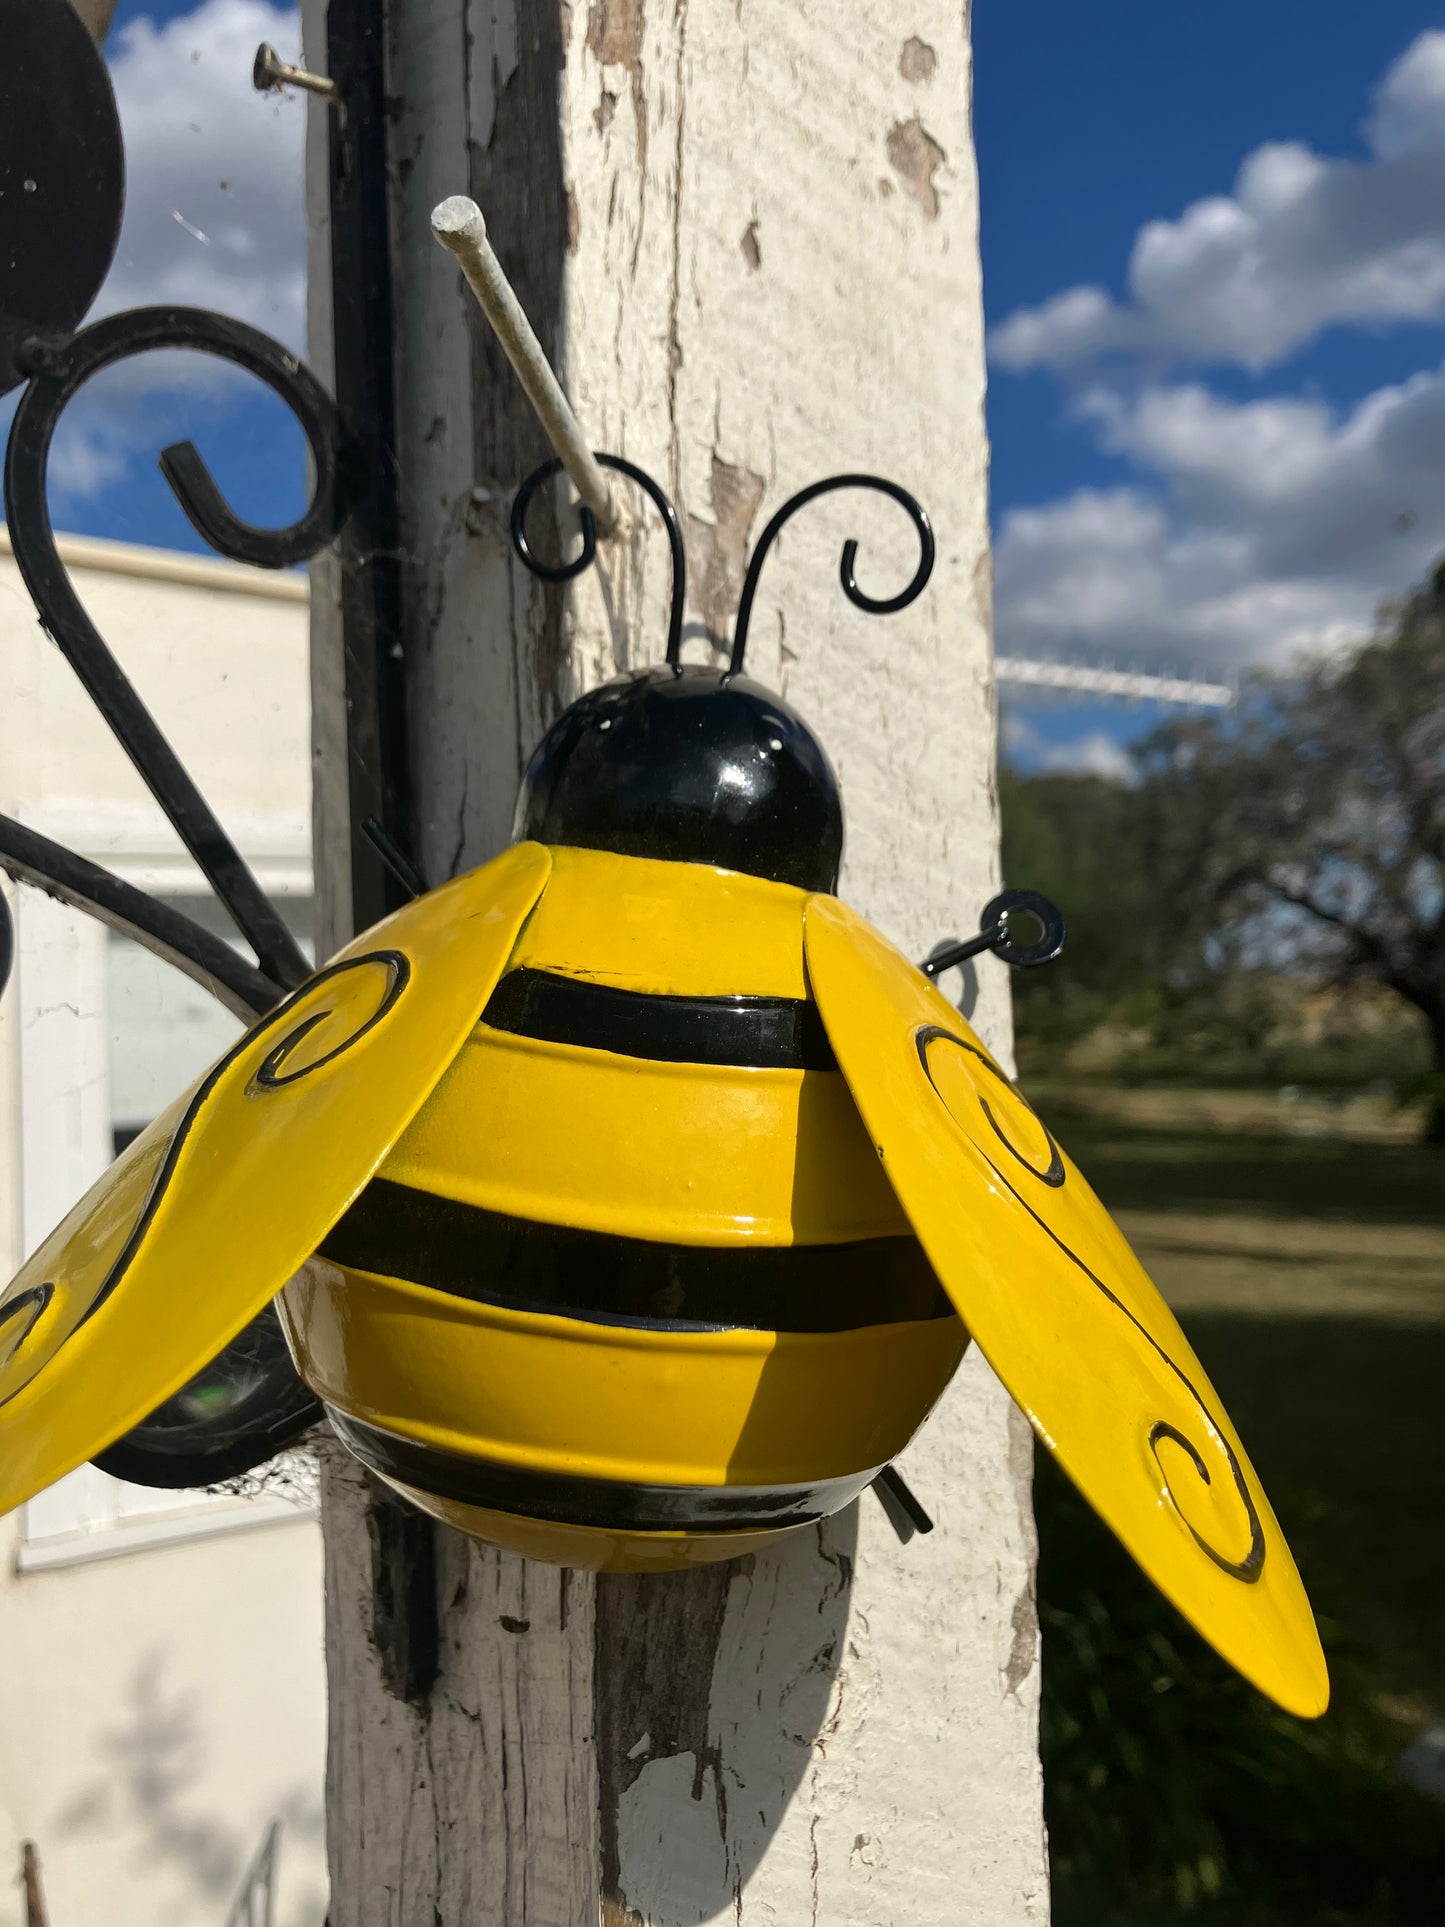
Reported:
(1061, 1308)
(204, 1217)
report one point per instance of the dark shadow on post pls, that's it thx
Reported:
(720, 1668)
(519, 182)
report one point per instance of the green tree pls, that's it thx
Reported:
(1306, 830)
(1084, 841)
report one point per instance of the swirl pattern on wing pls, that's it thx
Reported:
(1060, 1306)
(1054, 1174)
(99, 1239)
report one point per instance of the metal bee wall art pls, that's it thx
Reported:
(626, 1201)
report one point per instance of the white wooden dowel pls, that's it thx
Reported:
(457, 223)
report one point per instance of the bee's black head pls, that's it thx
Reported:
(693, 765)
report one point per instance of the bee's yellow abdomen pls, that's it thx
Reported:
(685, 1153)
(564, 1396)
(641, 1148)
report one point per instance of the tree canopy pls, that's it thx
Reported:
(1301, 835)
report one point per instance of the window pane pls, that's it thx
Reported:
(165, 1030)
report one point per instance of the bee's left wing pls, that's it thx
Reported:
(1061, 1308)
(204, 1217)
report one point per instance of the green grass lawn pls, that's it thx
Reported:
(1309, 1272)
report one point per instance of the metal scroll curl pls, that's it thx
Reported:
(874, 605)
(566, 571)
(62, 189)
(58, 369)
(248, 1403)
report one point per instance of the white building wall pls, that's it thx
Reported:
(161, 1672)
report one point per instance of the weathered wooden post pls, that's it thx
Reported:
(747, 235)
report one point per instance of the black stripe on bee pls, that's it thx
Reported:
(398, 1231)
(758, 1033)
(609, 1504)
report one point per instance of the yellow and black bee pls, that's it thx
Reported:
(631, 1199)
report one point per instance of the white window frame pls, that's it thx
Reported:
(59, 992)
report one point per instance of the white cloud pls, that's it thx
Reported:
(203, 146)
(208, 157)
(1256, 530)
(1278, 527)
(1303, 243)
(1094, 753)
(1407, 116)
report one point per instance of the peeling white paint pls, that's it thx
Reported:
(867, 1751)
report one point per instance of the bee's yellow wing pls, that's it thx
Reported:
(208, 1213)
(1062, 1309)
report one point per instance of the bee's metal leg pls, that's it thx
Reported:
(994, 935)
(395, 858)
(905, 1514)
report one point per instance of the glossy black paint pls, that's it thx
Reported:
(1021, 953)
(691, 765)
(762, 1033)
(399, 1231)
(900, 1504)
(603, 1503)
(241, 1409)
(996, 935)
(62, 175)
(874, 605)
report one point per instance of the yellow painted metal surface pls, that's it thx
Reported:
(683, 929)
(380, 1061)
(589, 1548)
(690, 1153)
(542, 1393)
(1062, 1309)
(205, 1216)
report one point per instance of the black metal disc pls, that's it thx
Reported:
(62, 174)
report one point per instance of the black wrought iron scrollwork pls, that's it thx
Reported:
(874, 605)
(58, 369)
(168, 933)
(61, 192)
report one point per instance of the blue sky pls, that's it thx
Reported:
(1226, 452)
(1214, 270)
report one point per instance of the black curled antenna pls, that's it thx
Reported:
(874, 605)
(565, 571)
(459, 227)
